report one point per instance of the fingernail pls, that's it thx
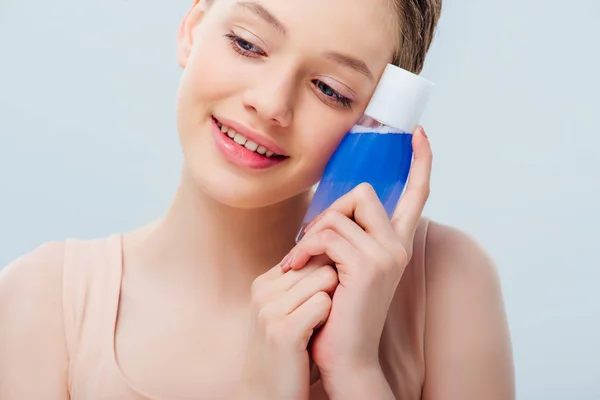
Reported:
(285, 260)
(285, 267)
(310, 225)
(423, 132)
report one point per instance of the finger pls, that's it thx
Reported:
(274, 283)
(272, 274)
(309, 315)
(412, 202)
(323, 279)
(345, 227)
(276, 273)
(327, 242)
(289, 280)
(351, 232)
(363, 206)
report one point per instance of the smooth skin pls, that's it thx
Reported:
(370, 253)
(287, 308)
(209, 275)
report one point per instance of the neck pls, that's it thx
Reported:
(221, 248)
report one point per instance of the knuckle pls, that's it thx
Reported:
(328, 235)
(402, 254)
(323, 301)
(366, 191)
(259, 295)
(265, 316)
(257, 285)
(330, 277)
(330, 216)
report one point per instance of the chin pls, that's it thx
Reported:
(208, 172)
(242, 192)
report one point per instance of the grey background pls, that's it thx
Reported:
(88, 147)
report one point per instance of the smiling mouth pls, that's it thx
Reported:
(240, 139)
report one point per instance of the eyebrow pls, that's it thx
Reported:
(260, 11)
(343, 59)
(351, 62)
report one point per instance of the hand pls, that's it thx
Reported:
(370, 253)
(286, 308)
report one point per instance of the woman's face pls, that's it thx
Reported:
(290, 77)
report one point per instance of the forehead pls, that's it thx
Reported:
(362, 28)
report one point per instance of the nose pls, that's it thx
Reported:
(271, 98)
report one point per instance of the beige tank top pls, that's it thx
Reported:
(92, 285)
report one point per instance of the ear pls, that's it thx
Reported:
(185, 34)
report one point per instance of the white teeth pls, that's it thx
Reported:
(239, 139)
(261, 150)
(250, 145)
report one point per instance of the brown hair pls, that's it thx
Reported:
(417, 20)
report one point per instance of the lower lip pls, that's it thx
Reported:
(240, 155)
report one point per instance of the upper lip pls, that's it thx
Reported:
(252, 135)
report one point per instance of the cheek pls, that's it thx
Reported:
(321, 128)
(322, 146)
(211, 72)
(320, 141)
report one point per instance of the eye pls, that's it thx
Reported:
(331, 94)
(244, 47)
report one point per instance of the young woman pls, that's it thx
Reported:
(215, 300)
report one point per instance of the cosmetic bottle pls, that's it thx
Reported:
(378, 149)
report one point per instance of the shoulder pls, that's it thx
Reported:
(451, 253)
(35, 274)
(467, 342)
(49, 259)
(32, 339)
(42, 272)
(33, 332)
(51, 286)
(31, 287)
(460, 275)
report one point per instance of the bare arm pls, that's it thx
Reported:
(467, 343)
(33, 354)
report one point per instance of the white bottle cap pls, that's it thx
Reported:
(400, 99)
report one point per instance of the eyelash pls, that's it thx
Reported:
(238, 44)
(338, 98)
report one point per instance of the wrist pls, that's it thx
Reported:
(360, 382)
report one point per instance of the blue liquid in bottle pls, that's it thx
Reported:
(378, 149)
(380, 159)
